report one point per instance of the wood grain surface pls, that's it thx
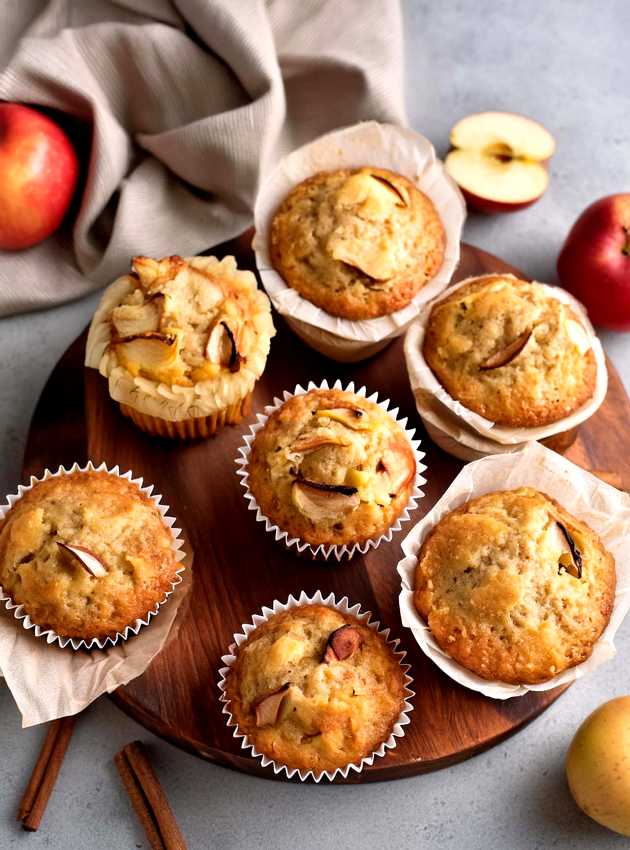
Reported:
(238, 567)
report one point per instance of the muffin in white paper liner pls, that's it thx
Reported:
(604, 508)
(133, 628)
(344, 607)
(464, 433)
(366, 144)
(322, 551)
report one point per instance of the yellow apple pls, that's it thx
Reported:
(499, 160)
(598, 765)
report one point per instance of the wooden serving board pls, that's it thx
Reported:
(238, 567)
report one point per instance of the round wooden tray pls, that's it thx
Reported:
(238, 567)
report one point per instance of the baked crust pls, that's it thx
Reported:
(376, 465)
(490, 585)
(393, 233)
(553, 374)
(181, 338)
(333, 713)
(111, 518)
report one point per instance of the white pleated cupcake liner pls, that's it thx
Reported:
(604, 508)
(51, 636)
(466, 434)
(333, 551)
(344, 607)
(368, 143)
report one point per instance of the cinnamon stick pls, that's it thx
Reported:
(42, 781)
(148, 798)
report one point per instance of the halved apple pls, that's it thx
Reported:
(499, 160)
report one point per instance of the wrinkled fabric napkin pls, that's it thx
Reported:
(189, 102)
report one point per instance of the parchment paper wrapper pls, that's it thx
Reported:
(366, 144)
(345, 608)
(49, 681)
(466, 434)
(323, 552)
(604, 508)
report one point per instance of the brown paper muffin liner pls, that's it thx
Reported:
(332, 551)
(344, 607)
(192, 428)
(177, 543)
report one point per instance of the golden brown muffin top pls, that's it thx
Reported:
(315, 689)
(331, 467)
(114, 529)
(514, 587)
(183, 321)
(359, 243)
(509, 351)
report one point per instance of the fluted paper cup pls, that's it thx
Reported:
(604, 508)
(332, 551)
(367, 144)
(467, 435)
(177, 543)
(344, 607)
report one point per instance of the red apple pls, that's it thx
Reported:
(38, 176)
(594, 263)
(499, 160)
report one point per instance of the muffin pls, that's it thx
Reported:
(331, 467)
(510, 352)
(358, 243)
(513, 587)
(182, 343)
(315, 689)
(86, 554)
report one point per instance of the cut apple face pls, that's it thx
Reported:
(498, 160)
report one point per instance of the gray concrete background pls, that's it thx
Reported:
(565, 64)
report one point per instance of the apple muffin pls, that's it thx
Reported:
(182, 343)
(86, 554)
(514, 587)
(331, 467)
(359, 243)
(511, 352)
(315, 689)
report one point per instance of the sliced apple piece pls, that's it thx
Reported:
(156, 354)
(342, 643)
(498, 160)
(508, 353)
(153, 274)
(268, 708)
(133, 319)
(90, 562)
(313, 442)
(398, 465)
(376, 258)
(221, 347)
(348, 415)
(570, 562)
(324, 501)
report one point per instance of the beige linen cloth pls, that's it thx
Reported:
(190, 101)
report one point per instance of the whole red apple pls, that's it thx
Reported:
(38, 176)
(594, 263)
